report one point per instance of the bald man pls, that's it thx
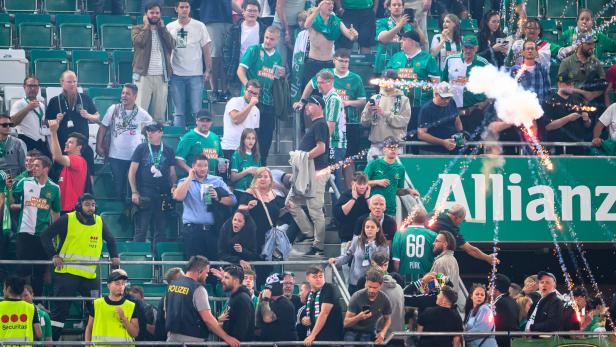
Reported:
(74, 111)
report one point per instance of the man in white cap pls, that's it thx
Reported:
(439, 122)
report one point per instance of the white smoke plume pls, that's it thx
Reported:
(513, 104)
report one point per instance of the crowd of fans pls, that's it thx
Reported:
(236, 209)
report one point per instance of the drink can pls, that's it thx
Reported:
(459, 139)
(205, 193)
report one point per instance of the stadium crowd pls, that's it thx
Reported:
(401, 276)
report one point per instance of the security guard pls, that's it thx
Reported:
(81, 234)
(187, 307)
(112, 318)
(19, 320)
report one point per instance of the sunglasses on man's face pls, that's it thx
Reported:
(6, 125)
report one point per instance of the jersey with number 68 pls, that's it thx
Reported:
(413, 249)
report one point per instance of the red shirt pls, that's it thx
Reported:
(72, 182)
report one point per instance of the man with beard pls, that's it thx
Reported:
(585, 70)
(188, 315)
(81, 234)
(238, 319)
(152, 69)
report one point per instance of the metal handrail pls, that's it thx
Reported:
(505, 143)
(164, 262)
(344, 292)
(318, 343)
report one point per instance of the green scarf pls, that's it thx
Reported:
(331, 30)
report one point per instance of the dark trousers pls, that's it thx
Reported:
(200, 239)
(117, 6)
(358, 336)
(69, 285)
(39, 145)
(312, 67)
(119, 170)
(151, 218)
(265, 132)
(29, 247)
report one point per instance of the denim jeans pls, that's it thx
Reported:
(119, 170)
(353, 335)
(183, 87)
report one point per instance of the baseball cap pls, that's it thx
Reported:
(153, 127)
(204, 115)
(411, 34)
(470, 41)
(317, 100)
(542, 274)
(116, 276)
(444, 90)
(274, 284)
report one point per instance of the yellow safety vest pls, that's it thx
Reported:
(16, 322)
(107, 325)
(82, 243)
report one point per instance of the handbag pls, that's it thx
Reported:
(107, 137)
(281, 245)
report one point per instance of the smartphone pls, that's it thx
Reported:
(371, 102)
(501, 40)
(410, 12)
(365, 308)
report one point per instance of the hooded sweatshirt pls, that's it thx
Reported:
(241, 320)
(394, 292)
(396, 116)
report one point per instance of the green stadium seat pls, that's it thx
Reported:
(170, 18)
(363, 65)
(91, 6)
(469, 26)
(171, 140)
(133, 8)
(104, 97)
(556, 9)
(48, 65)
(74, 31)
(102, 182)
(109, 205)
(154, 289)
(92, 68)
(114, 32)
(122, 67)
(595, 5)
(171, 256)
(134, 247)
(34, 30)
(532, 8)
(20, 5)
(6, 31)
(166, 247)
(550, 30)
(62, 6)
(137, 273)
(121, 230)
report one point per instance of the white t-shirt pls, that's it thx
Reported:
(608, 118)
(233, 132)
(31, 124)
(250, 36)
(126, 133)
(187, 56)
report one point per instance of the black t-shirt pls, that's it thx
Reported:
(439, 319)
(318, 132)
(443, 222)
(440, 122)
(258, 215)
(347, 222)
(332, 330)
(554, 108)
(147, 184)
(59, 104)
(283, 328)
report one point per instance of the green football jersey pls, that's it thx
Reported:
(456, 71)
(45, 322)
(195, 142)
(419, 68)
(37, 202)
(413, 249)
(348, 87)
(260, 66)
(380, 169)
(238, 164)
(334, 112)
(385, 50)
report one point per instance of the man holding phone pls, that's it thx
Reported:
(366, 308)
